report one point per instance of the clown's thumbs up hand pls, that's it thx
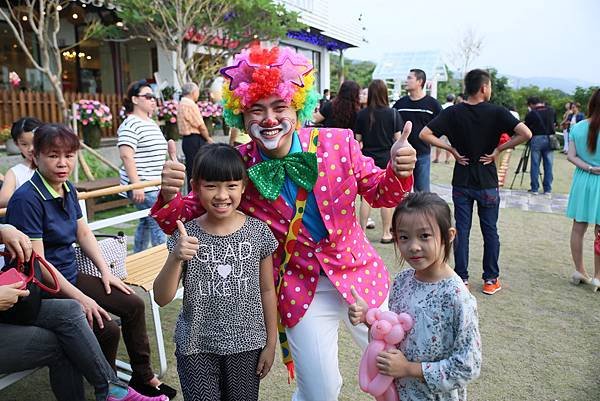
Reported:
(187, 246)
(357, 312)
(402, 154)
(173, 174)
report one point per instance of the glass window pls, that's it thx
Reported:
(12, 58)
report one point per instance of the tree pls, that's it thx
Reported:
(43, 19)
(502, 93)
(467, 50)
(217, 28)
(451, 86)
(355, 70)
(583, 95)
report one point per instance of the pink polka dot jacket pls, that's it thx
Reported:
(345, 255)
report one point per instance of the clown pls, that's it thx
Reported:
(304, 183)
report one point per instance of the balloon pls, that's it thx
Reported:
(387, 330)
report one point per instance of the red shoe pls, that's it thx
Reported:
(490, 287)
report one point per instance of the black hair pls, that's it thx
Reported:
(219, 162)
(134, 89)
(450, 97)
(531, 100)
(345, 105)
(433, 207)
(474, 80)
(594, 116)
(420, 76)
(54, 136)
(25, 124)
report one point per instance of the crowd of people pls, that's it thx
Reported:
(267, 243)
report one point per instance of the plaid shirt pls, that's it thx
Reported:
(189, 119)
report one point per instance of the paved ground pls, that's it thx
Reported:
(555, 203)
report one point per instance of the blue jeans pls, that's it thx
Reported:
(488, 203)
(60, 338)
(540, 150)
(148, 230)
(421, 173)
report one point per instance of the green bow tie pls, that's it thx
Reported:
(268, 176)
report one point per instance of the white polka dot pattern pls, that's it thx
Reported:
(346, 255)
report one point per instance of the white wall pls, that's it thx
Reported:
(166, 67)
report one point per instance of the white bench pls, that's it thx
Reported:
(142, 269)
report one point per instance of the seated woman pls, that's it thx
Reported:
(22, 133)
(46, 209)
(59, 338)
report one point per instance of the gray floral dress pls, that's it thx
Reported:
(445, 337)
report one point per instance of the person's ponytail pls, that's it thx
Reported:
(594, 116)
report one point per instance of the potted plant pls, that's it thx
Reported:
(211, 113)
(167, 113)
(92, 116)
(6, 139)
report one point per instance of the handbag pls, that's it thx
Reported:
(26, 310)
(554, 142)
(113, 249)
(597, 244)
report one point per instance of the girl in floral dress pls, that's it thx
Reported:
(442, 352)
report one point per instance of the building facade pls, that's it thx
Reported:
(96, 66)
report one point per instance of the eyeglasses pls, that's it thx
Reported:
(148, 96)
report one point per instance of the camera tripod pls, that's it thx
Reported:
(522, 166)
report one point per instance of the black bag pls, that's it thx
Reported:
(26, 310)
(554, 142)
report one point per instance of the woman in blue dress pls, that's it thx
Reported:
(584, 198)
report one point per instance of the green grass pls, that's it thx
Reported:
(562, 171)
(97, 167)
(539, 334)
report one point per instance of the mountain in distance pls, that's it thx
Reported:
(563, 84)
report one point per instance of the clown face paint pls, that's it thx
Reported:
(270, 122)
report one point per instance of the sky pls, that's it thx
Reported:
(525, 38)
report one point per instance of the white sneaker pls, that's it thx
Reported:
(370, 223)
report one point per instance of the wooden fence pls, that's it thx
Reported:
(43, 105)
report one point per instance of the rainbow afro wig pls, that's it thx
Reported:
(260, 72)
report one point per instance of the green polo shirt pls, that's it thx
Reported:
(41, 213)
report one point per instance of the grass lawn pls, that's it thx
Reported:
(539, 333)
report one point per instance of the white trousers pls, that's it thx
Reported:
(314, 344)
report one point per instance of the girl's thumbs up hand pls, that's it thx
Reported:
(402, 154)
(187, 246)
(357, 312)
(173, 174)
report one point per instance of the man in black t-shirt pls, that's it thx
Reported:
(541, 120)
(418, 108)
(473, 129)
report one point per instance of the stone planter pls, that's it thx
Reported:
(91, 135)
(170, 131)
(11, 147)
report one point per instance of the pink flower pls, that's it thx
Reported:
(173, 120)
(84, 122)
(14, 79)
